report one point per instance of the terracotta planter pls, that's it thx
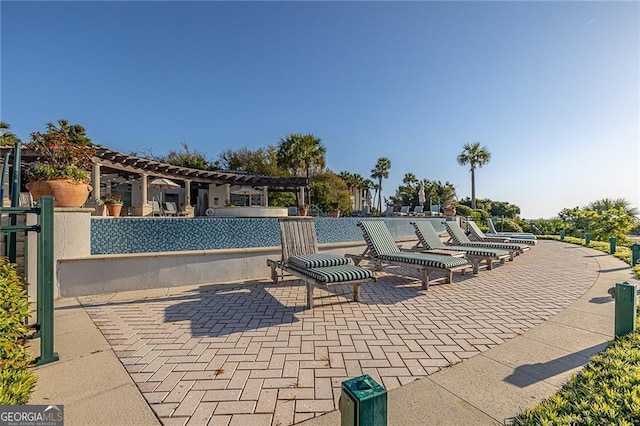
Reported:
(66, 192)
(114, 209)
(302, 212)
(450, 212)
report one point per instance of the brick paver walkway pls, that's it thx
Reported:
(249, 354)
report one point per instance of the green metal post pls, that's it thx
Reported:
(612, 245)
(5, 170)
(15, 200)
(635, 253)
(363, 402)
(45, 281)
(562, 235)
(625, 309)
(587, 239)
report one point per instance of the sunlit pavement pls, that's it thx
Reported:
(250, 354)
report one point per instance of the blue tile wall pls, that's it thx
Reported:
(140, 235)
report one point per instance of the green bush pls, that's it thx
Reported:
(16, 379)
(507, 225)
(463, 210)
(606, 391)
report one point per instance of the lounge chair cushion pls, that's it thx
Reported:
(336, 274)
(429, 238)
(317, 260)
(379, 238)
(458, 236)
(424, 259)
(477, 232)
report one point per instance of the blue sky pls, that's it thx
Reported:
(550, 88)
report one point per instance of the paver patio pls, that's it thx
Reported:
(249, 353)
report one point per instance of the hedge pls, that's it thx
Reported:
(17, 380)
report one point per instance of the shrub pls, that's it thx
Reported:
(16, 380)
(463, 210)
(507, 225)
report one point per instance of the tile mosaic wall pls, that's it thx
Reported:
(144, 235)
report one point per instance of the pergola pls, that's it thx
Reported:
(107, 161)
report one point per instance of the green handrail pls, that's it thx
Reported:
(44, 324)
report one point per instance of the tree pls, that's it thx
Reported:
(330, 192)
(7, 138)
(262, 161)
(435, 191)
(75, 133)
(476, 157)
(603, 219)
(379, 172)
(188, 158)
(610, 204)
(301, 153)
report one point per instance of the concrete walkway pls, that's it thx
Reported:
(473, 352)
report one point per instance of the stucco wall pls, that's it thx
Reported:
(113, 273)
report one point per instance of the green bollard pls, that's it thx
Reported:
(587, 239)
(562, 235)
(625, 309)
(612, 245)
(635, 253)
(363, 402)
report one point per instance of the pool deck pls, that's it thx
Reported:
(476, 351)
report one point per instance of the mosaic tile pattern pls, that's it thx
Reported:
(144, 235)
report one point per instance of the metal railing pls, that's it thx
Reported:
(44, 320)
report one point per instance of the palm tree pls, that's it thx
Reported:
(7, 138)
(299, 153)
(476, 157)
(609, 204)
(380, 171)
(75, 132)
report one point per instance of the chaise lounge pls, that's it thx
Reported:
(382, 249)
(428, 239)
(476, 234)
(460, 238)
(300, 258)
(494, 233)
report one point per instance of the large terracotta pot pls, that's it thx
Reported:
(450, 211)
(66, 192)
(114, 209)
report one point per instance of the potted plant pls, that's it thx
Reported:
(114, 204)
(61, 169)
(449, 210)
(303, 209)
(335, 211)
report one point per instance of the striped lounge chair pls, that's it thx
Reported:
(382, 249)
(476, 234)
(428, 239)
(493, 233)
(300, 258)
(459, 238)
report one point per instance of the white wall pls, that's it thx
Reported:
(123, 272)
